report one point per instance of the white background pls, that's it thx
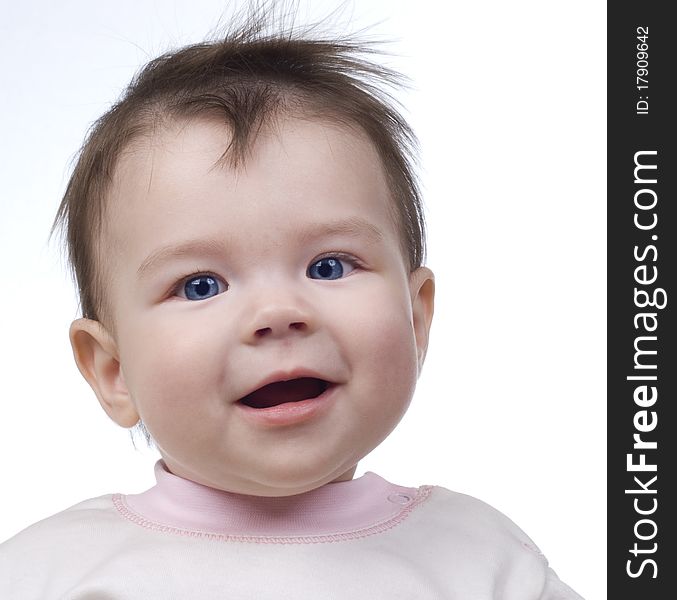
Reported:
(509, 105)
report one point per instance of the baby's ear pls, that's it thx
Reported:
(96, 355)
(422, 288)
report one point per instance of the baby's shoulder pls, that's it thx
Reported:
(52, 539)
(478, 543)
(40, 561)
(69, 522)
(455, 511)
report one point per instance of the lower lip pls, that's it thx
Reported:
(291, 413)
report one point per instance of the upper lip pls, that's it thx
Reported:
(287, 375)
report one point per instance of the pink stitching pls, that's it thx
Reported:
(423, 493)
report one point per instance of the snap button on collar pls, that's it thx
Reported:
(400, 498)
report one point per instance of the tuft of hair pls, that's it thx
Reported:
(262, 68)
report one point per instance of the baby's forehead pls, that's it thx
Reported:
(236, 150)
(297, 160)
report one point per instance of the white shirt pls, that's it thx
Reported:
(364, 538)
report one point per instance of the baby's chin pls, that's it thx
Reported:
(297, 483)
(273, 483)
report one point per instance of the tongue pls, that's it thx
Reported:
(285, 391)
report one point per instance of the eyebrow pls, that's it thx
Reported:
(188, 248)
(353, 227)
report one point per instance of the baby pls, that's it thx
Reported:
(248, 240)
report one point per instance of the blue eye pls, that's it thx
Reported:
(201, 287)
(326, 268)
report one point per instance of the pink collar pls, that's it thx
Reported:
(359, 507)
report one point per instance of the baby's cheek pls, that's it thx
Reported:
(170, 370)
(387, 327)
(388, 349)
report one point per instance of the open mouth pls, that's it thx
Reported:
(280, 392)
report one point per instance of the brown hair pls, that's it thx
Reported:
(246, 78)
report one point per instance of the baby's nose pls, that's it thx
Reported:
(280, 328)
(276, 319)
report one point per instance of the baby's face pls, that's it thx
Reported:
(224, 281)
